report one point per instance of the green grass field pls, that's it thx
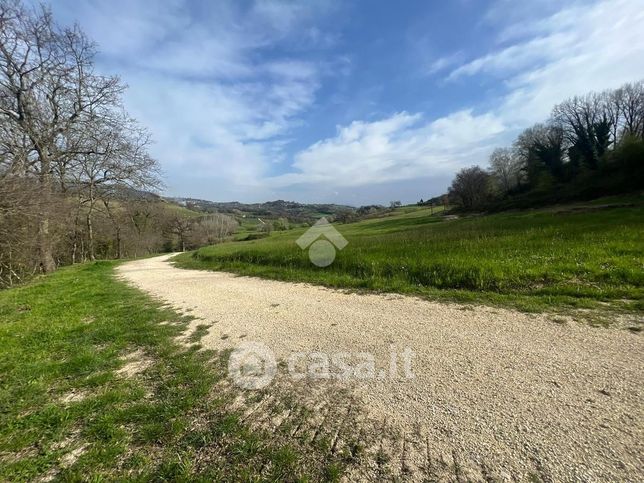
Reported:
(67, 414)
(589, 256)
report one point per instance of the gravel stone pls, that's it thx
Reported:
(495, 394)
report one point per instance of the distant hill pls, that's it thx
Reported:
(294, 212)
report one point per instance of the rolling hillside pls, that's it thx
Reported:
(574, 256)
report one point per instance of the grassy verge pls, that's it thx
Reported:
(536, 260)
(94, 386)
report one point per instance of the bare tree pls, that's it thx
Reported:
(281, 224)
(212, 229)
(586, 126)
(180, 227)
(47, 88)
(145, 217)
(115, 158)
(506, 168)
(632, 109)
(470, 188)
(541, 149)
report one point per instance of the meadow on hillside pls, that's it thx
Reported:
(580, 256)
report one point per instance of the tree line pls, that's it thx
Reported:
(75, 172)
(592, 145)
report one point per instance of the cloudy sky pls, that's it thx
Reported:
(349, 101)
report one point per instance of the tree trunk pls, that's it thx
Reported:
(90, 226)
(90, 236)
(74, 248)
(118, 242)
(10, 268)
(117, 228)
(46, 258)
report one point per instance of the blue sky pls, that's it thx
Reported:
(349, 102)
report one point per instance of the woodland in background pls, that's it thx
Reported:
(73, 164)
(591, 146)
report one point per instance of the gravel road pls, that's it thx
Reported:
(495, 394)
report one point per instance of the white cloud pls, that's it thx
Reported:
(578, 49)
(568, 52)
(517, 16)
(230, 134)
(517, 57)
(218, 110)
(399, 147)
(222, 112)
(445, 62)
(124, 27)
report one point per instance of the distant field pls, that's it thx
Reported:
(581, 256)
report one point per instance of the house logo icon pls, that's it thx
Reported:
(322, 240)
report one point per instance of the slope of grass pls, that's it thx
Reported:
(179, 210)
(533, 260)
(67, 413)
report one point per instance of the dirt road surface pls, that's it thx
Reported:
(493, 394)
